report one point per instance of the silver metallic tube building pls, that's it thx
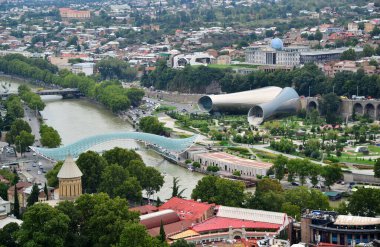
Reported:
(260, 104)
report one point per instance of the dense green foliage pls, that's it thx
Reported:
(270, 196)
(49, 137)
(33, 197)
(119, 173)
(43, 226)
(113, 68)
(221, 191)
(109, 93)
(196, 79)
(51, 176)
(33, 100)
(365, 202)
(151, 125)
(17, 127)
(92, 220)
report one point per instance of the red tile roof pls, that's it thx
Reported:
(172, 228)
(217, 223)
(187, 209)
(146, 209)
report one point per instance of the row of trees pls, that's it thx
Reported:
(33, 100)
(118, 172)
(304, 169)
(110, 93)
(196, 79)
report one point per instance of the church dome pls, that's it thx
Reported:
(277, 44)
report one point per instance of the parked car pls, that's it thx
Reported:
(295, 184)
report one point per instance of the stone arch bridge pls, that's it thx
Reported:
(370, 107)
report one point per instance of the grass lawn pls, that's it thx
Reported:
(350, 159)
(374, 150)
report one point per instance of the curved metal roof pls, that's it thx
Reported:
(76, 148)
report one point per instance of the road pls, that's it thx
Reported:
(30, 117)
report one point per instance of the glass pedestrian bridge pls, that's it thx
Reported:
(160, 143)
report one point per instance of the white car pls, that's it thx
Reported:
(39, 172)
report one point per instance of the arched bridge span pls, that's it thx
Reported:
(164, 144)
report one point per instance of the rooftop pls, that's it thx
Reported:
(217, 223)
(228, 158)
(348, 220)
(187, 209)
(253, 215)
(69, 169)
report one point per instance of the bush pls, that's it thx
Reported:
(212, 168)
(196, 164)
(187, 161)
(236, 173)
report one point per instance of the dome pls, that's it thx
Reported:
(277, 44)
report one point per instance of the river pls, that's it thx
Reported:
(75, 119)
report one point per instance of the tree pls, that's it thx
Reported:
(92, 165)
(3, 191)
(74, 238)
(376, 168)
(43, 226)
(151, 125)
(162, 236)
(329, 105)
(279, 166)
(368, 50)
(135, 234)
(46, 191)
(306, 198)
(218, 190)
(33, 197)
(51, 176)
(115, 181)
(291, 210)
(50, 137)
(365, 202)
(318, 35)
(17, 127)
(350, 54)
(331, 174)
(113, 68)
(205, 189)
(153, 181)
(175, 188)
(23, 141)
(103, 218)
(121, 156)
(8, 235)
(182, 243)
(268, 196)
(16, 204)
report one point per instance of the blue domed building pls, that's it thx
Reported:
(277, 44)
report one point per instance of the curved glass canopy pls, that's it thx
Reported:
(163, 144)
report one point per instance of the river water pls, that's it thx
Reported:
(75, 119)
